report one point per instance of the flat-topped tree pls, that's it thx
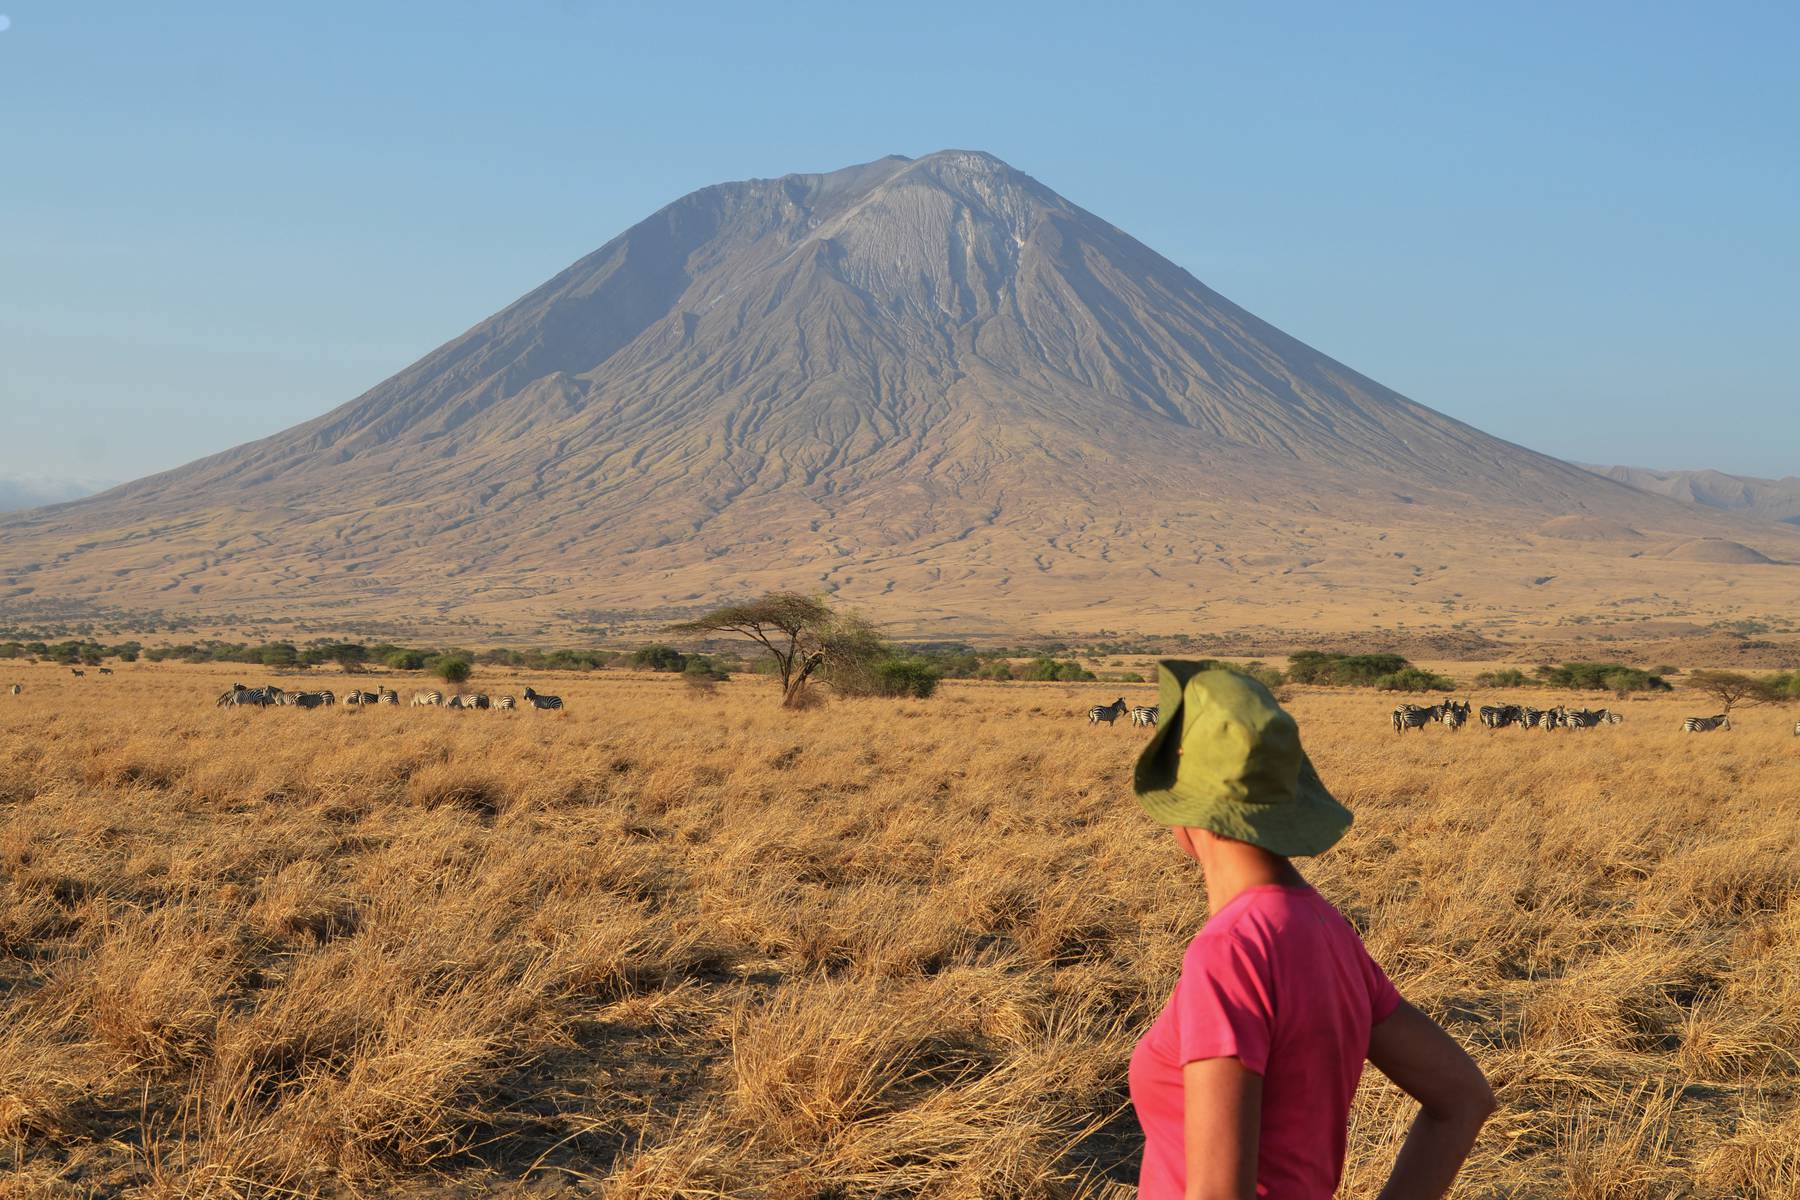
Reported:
(794, 630)
(1728, 688)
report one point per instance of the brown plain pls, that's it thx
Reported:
(671, 944)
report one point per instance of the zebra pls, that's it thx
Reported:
(506, 702)
(15, 689)
(246, 697)
(77, 674)
(455, 702)
(1441, 712)
(387, 695)
(313, 699)
(478, 700)
(1499, 717)
(1706, 724)
(542, 702)
(1583, 718)
(106, 670)
(1796, 723)
(1612, 718)
(427, 699)
(1411, 716)
(1455, 718)
(361, 698)
(1108, 712)
(1144, 715)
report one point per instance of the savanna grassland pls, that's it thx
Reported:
(679, 944)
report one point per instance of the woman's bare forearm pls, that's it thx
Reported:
(1433, 1153)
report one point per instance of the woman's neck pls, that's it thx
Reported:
(1232, 868)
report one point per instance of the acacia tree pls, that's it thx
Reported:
(1728, 688)
(794, 630)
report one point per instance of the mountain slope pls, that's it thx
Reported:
(932, 385)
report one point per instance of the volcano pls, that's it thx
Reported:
(932, 387)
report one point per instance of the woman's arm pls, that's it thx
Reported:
(1454, 1100)
(1223, 1123)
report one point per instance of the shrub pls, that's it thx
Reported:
(279, 654)
(1344, 670)
(407, 660)
(702, 674)
(452, 668)
(906, 677)
(1510, 677)
(1602, 677)
(1413, 679)
(1269, 677)
(1045, 669)
(658, 657)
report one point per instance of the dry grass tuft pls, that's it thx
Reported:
(864, 950)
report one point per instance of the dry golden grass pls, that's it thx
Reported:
(669, 944)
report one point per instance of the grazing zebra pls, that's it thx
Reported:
(1582, 718)
(1612, 718)
(354, 697)
(246, 697)
(313, 699)
(77, 674)
(1706, 724)
(506, 702)
(427, 699)
(15, 689)
(106, 670)
(388, 695)
(1411, 716)
(1108, 712)
(1144, 715)
(478, 700)
(1500, 717)
(454, 702)
(1455, 718)
(1796, 723)
(542, 702)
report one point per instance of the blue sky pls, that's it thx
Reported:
(1572, 225)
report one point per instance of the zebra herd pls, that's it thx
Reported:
(241, 696)
(1454, 715)
(1141, 715)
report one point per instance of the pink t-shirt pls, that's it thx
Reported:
(1278, 980)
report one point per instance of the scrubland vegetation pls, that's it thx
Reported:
(682, 942)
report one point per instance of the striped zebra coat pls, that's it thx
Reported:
(1499, 717)
(506, 702)
(1107, 712)
(542, 703)
(246, 697)
(15, 689)
(427, 699)
(1413, 716)
(388, 695)
(1144, 715)
(1706, 724)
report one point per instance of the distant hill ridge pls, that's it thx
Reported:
(931, 386)
(1766, 499)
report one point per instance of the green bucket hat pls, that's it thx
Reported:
(1226, 758)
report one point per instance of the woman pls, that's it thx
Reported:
(1243, 1085)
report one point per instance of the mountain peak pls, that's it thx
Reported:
(906, 376)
